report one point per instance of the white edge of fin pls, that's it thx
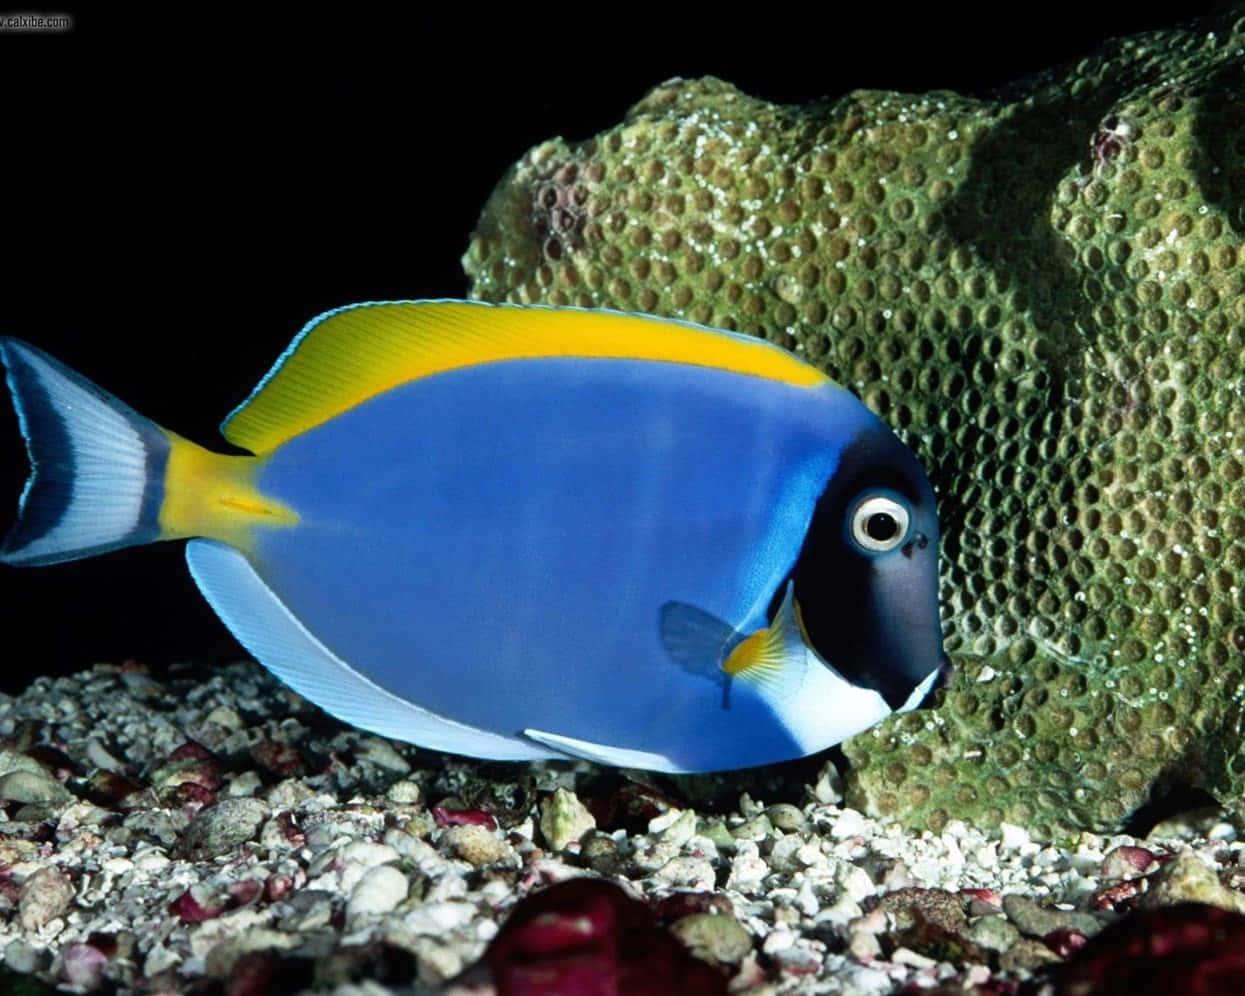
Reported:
(919, 693)
(617, 757)
(266, 627)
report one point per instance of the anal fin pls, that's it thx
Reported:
(618, 757)
(266, 627)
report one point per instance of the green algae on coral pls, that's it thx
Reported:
(1044, 294)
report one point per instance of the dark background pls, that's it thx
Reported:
(178, 198)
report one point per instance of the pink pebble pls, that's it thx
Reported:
(462, 817)
(83, 965)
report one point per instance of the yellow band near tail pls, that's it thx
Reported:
(214, 496)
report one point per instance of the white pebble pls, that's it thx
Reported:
(225, 718)
(436, 919)
(777, 940)
(150, 861)
(687, 872)
(906, 956)
(367, 853)
(117, 865)
(245, 784)
(747, 867)
(680, 831)
(663, 820)
(403, 793)
(99, 756)
(806, 899)
(785, 854)
(160, 959)
(855, 881)
(381, 752)
(798, 960)
(849, 824)
(379, 891)
(1014, 838)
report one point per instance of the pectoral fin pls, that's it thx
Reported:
(774, 659)
(699, 642)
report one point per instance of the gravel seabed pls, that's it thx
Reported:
(193, 832)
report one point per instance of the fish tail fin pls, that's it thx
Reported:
(92, 464)
(102, 476)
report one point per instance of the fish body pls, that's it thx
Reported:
(526, 533)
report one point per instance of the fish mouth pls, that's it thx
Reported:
(942, 679)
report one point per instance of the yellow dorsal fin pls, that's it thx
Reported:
(346, 356)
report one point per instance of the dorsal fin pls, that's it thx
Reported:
(346, 356)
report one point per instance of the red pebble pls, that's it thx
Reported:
(988, 896)
(681, 904)
(1065, 941)
(462, 817)
(10, 891)
(282, 760)
(192, 797)
(589, 938)
(630, 807)
(1114, 896)
(290, 829)
(1190, 949)
(1127, 861)
(191, 750)
(245, 892)
(277, 887)
(189, 909)
(254, 974)
(83, 965)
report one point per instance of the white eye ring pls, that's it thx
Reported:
(880, 523)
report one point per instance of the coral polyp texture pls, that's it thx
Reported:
(1044, 294)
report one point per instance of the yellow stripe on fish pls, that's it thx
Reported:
(350, 355)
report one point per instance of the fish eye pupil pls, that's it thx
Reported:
(881, 526)
(878, 523)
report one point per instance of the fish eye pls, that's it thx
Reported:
(879, 522)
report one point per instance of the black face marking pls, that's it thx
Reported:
(838, 583)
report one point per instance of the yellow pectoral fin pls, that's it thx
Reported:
(768, 660)
(214, 496)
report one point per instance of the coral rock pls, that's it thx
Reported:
(1044, 294)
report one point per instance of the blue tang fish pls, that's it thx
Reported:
(522, 533)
